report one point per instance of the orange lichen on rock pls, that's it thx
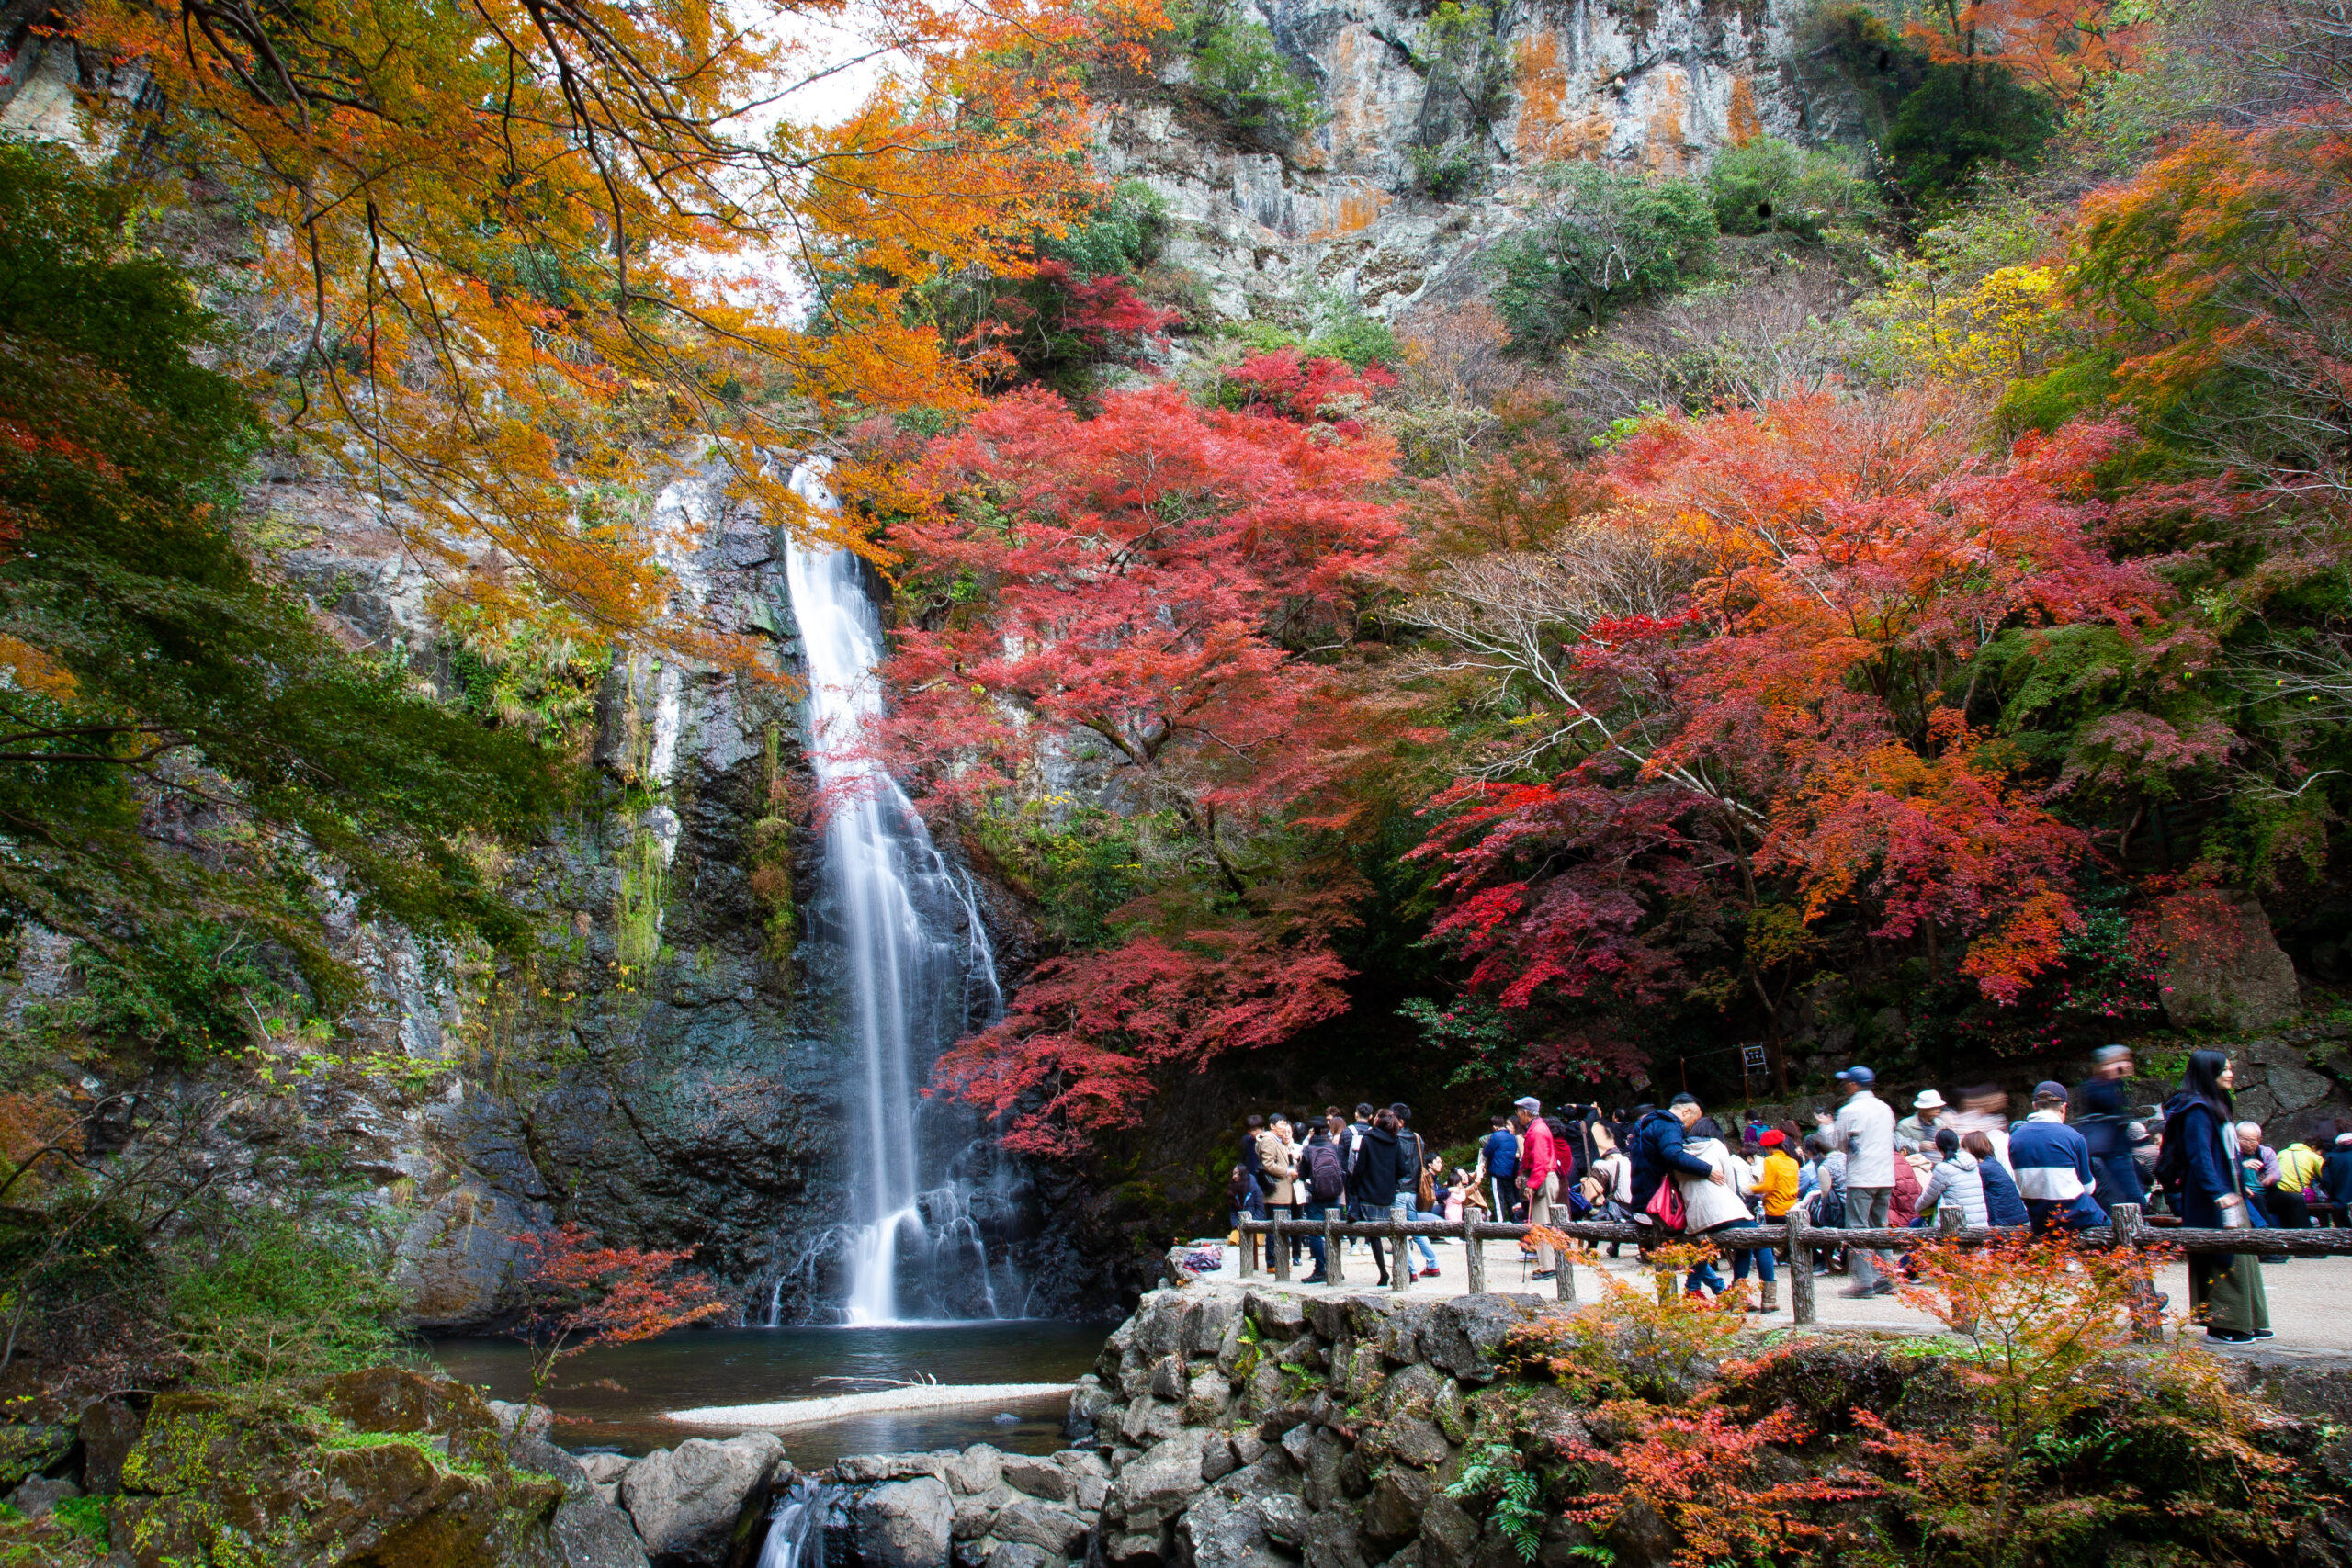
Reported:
(1741, 125)
(1666, 126)
(1353, 208)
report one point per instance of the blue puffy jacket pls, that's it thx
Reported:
(1657, 1148)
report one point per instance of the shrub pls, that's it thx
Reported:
(1605, 240)
(187, 998)
(1245, 77)
(1123, 235)
(268, 1298)
(1773, 186)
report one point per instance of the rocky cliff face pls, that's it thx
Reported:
(1659, 85)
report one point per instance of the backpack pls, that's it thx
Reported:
(1828, 1209)
(1325, 1181)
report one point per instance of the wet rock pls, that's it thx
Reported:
(1037, 1477)
(1017, 1554)
(695, 1504)
(904, 1524)
(28, 1448)
(1056, 1531)
(859, 1469)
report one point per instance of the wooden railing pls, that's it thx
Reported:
(1793, 1241)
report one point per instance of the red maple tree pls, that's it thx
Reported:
(1786, 734)
(577, 1295)
(1176, 590)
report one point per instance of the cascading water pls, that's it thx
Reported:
(917, 966)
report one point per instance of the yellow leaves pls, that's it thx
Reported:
(2004, 327)
(539, 249)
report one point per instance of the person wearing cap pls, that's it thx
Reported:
(1539, 1173)
(1865, 1131)
(2102, 1114)
(1916, 1133)
(2336, 1177)
(2051, 1163)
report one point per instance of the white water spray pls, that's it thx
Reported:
(914, 982)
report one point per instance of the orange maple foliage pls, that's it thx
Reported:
(542, 248)
(2064, 48)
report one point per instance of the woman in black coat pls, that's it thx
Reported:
(2200, 1167)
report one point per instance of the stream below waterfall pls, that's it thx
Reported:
(613, 1396)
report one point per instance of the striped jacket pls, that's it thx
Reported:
(2051, 1163)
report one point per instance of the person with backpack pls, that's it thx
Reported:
(1325, 1184)
(2198, 1166)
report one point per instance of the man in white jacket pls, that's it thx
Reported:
(1866, 1132)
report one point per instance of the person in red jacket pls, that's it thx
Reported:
(1539, 1174)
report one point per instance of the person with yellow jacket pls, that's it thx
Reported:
(1776, 1180)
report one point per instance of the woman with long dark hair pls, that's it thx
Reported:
(2199, 1165)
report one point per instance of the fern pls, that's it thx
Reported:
(1516, 1508)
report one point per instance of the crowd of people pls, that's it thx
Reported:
(1675, 1171)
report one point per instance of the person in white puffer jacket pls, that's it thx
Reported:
(1957, 1181)
(1712, 1207)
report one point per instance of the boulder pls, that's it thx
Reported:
(1056, 1531)
(1017, 1554)
(1463, 1335)
(36, 1495)
(28, 1448)
(383, 1466)
(606, 1470)
(1090, 1477)
(1392, 1514)
(904, 1524)
(109, 1429)
(1148, 1421)
(2227, 971)
(1206, 1325)
(860, 1469)
(1169, 1378)
(695, 1504)
(976, 1470)
(526, 1420)
(1223, 1531)
(1218, 1457)
(1278, 1314)
(1449, 1535)
(1332, 1542)
(1207, 1398)
(590, 1533)
(973, 1515)
(1284, 1518)
(1038, 1477)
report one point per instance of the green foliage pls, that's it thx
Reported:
(197, 991)
(1445, 172)
(1937, 126)
(1467, 86)
(1494, 1471)
(1336, 329)
(1773, 186)
(1076, 869)
(1241, 72)
(83, 1517)
(511, 673)
(1603, 240)
(1123, 234)
(1482, 1040)
(260, 1297)
(153, 669)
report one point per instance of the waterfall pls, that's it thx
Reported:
(918, 970)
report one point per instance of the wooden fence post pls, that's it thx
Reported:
(1400, 1265)
(1800, 1268)
(1474, 1256)
(1564, 1273)
(1249, 1246)
(2147, 1317)
(1279, 1254)
(1335, 1246)
(1948, 1219)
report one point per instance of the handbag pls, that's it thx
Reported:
(1665, 1205)
(2234, 1216)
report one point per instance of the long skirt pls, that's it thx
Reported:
(2225, 1292)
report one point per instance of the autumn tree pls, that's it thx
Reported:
(1750, 700)
(1171, 595)
(577, 1295)
(538, 247)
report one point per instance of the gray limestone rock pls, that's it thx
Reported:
(1168, 1379)
(1056, 1531)
(523, 1420)
(591, 1534)
(1154, 1487)
(1206, 1325)
(1148, 1421)
(1037, 1477)
(1332, 1541)
(1218, 1458)
(1017, 1554)
(1392, 1514)
(1207, 1397)
(1283, 1515)
(39, 1494)
(976, 1470)
(1449, 1535)
(691, 1504)
(1277, 1313)
(1463, 1335)
(1223, 1531)
(904, 1524)
(2228, 971)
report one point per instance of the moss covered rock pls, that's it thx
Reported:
(383, 1466)
(28, 1448)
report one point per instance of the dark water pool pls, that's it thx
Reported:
(613, 1397)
